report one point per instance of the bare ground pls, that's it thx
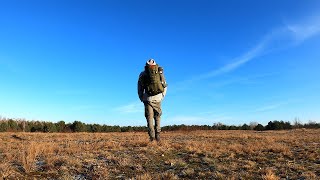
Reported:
(293, 154)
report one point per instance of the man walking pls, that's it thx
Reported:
(152, 88)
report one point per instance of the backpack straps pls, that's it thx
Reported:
(162, 78)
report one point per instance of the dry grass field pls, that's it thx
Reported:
(293, 154)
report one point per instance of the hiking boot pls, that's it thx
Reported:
(151, 139)
(158, 137)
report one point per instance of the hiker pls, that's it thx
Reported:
(152, 88)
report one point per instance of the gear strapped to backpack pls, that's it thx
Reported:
(152, 80)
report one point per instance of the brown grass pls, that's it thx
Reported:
(267, 155)
(270, 175)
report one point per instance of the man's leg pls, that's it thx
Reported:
(157, 127)
(157, 118)
(149, 116)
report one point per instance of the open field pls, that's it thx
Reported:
(293, 154)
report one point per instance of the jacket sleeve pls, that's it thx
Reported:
(164, 83)
(163, 79)
(140, 87)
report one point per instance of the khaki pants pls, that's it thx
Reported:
(153, 114)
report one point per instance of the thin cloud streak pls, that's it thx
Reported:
(268, 108)
(306, 30)
(236, 63)
(275, 40)
(281, 38)
(275, 105)
(272, 106)
(240, 80)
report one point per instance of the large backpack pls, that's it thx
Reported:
(152, 80)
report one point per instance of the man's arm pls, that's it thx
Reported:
(163, 82)
(140, 87)
(163, 79)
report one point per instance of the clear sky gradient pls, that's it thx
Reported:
(227, 61)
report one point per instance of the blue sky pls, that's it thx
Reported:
(228, 61)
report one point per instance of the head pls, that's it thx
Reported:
(151, 62)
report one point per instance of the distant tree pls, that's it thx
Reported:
(312, 125)
(219, 126)
(49, 127)
(78, 126)
(12, 125)
(271, 126)
(61, 125)
(297, 123)
(287, 125)
(259, 127)
(94, 128)
(16, 125)
(106, 128)
(245, 127)
(232, 128)
(223, 127)
(68, 128)
(253, 125)
(36, 126)
(126, 129)
(116, 129)
(206, 127)
(21, 125)
(3, 126)
(278, 125)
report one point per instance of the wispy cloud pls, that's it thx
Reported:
(237, 62)
(305, 30)
(268, 108)
(279, 104)
(271, 107)
(277, 39)
(241, 80)
(133, 107)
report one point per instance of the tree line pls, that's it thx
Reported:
(21, 125)
(272, 125)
